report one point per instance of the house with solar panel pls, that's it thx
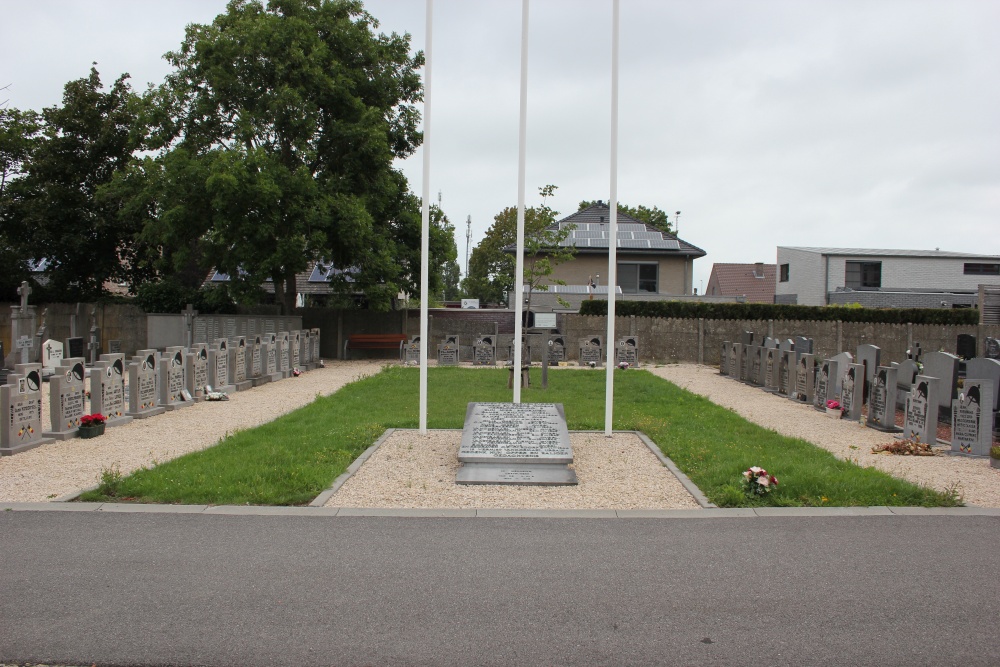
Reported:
(652, 265)
(314, 287)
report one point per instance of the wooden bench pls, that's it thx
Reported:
(375, 342)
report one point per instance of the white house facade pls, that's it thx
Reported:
(882, 278)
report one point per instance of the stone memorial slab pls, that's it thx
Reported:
(314, 337)
(825, 383)
(842, 359)
(173, 378)
(734, 361)
(906, 372)
(271, 357)
(218, 366)
(920, 419)
(787, 345)
(943, 366)
(197, 375)
(850, 392)
(805, 377)
(296, 357)
(869, 356)
(882, 400)
(114, 346)
(67, 399)
(592, 351)
(305, 351)
(21, 405)
(972, 419)
(143, 379)
(284, 350)
(981, 368)
(747, 338)
(991, 348)
(484, 351)
(525, 352)
(724, 358)
(524, 474)
(756, 370)
(744, 352)
(256, 360)
(448, 351)
(786, 373)
(557, 350)
(412, 350)
(965, 346)
(75, 347)
(52, 356)
(803, 345)
(627, 351)
(770, 343)
(238, 363)
(107, 389)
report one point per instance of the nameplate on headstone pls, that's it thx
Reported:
(515, 433)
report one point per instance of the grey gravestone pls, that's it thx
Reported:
(770, 343)
(825, 383)
(805, 376)
(734, 361)
(557, 349)
(627, 351)
(991, 348)
(114, 346)
(746, 338)
(256, 360)
(906, 372)
(52, 356)
(525, 352)
(770, 370)
(843, 360)
(296, 359)
(972, 419)
(943, 366)
(592, 351)
(218, 366)
(851, 399)
(803, 345)
(238, 363)
(920, 420)
(985, 369)
(755, 364)
(173, 378)
(107, 389)
(724, 358)
(142, 383)
(518, 443)
(870, 357)
(305, 350)
(74, 347)
(197, 376)
(786, 373)
(787, 345)
(21, 403)
(315, 343)
(448, 351)
(67, 399)
(284, 349)
(744, 362)
(412, 350)
(882, 400)
(271, 345)
(484, 351)
(965, 346)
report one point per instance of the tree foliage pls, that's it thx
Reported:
(651, 216)
(20, 132)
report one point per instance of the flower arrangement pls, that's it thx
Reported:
(95, 419)
(592, 364)
(623, 365)
(757, 481)
(833, 405)
(296, 372)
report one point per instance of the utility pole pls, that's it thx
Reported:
(468, 240)
(677, 223)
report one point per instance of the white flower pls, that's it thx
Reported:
(756, 470)
(763, 480)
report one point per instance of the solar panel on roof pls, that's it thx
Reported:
(320, 273)
(624, 235)
(598, 243)
(649, 236)
(631, 227)
(633, 244)
(219, 277)
(586, 235)
(665, 244)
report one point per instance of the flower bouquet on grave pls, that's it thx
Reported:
(833, 410)
(93, 425)
(296, 372)
(758, 482)
(623, 365)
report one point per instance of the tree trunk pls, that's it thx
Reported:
(291, 291)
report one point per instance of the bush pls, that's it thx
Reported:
(169, 296)
(772, 311)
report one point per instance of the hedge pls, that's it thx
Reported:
(772, 311)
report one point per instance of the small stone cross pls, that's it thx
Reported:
(24, 290)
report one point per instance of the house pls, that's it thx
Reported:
(753, 281)
(312, 287)
(651, 264)
(883, 278)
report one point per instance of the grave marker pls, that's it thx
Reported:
(592, 351)
(142, 386)
(627, 351)
(851, 391)
(173, 378)
(218, 366)
(316, 358)
(107, 389)
(870, 357)
(724, 358)
(991, 348)
(238, 363)
(882, 400)
(74, 347)
(972, 419)
(284, 350)
(484, 351)
(557, 349)
(52, 356)
(21, 405)
(67, 399)
(786, 373)
(770, 370)
(943, 366)
(920, 419)
(805, 376)
(412, 350)
(825, 384)
(197, 376)
(448, 351)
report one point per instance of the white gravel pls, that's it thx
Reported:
(973, 478)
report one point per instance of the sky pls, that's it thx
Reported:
(841, 123)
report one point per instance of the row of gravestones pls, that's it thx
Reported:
(484, 351)
(927, 387)
(146, 385)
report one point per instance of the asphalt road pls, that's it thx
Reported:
(176, 589)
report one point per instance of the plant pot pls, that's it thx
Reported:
(994, 463)
(91, 431)
(834, 413)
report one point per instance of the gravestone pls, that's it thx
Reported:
(448, 351)
(592, 351)
(52, 356)
(557, 349)
(989, 370)
(826, 379)
(142, 386)
(627, 351)
(525, 352)
(114, 346)
(734, 361)
(74, 347)
(972, 419)
(770, 370)
(107, 389)
(67, 399)
(22, 326)
(271, 357)
(94, 339)
(770, 343)
(218, 366)
(851, 399)
(991, 348)
(21, 406)
(906, 371)
(316, 358)
(515, 443)
(843, 360)
(920, 420)
(747, 338)
(965, 346)
(882, 400)
(305, 351)
(295, 359)
(724, 358)
(197, 376)
(255, 362)
(786, 373)
(805, 378)
(869, 356)
(484, 351)
(412, 350)
(238, 363)
(755, 364)
(173, 378)
(943, 366)
(284, 349)
(744, 362)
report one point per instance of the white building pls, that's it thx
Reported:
(882, 278)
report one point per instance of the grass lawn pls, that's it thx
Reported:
(294, 458)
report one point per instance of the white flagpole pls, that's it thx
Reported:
(609, 391)
(522, 143)
(425, 223)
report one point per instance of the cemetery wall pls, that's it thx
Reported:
(117, 321)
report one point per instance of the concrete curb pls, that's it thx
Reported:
(321, 499)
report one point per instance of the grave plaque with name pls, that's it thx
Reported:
(755, 369)
(515, 443)
(882, 400)
(448, 351)
(734, 361)
(920, 419)
(557, 349)
(271, 361)
(218, 365)
(52, 355)
(173, 378)
(484, 351)
(284, 348)
(869, 356)
(197, 376)
(295, 357)
(114, 346)
(74, 347)
(805, 377)
(142, 383)
(592, 351)
(305, 349)
(988, 370)
(744, 365)
(842, 359)
(315, 343)
(943, 366)
(786, 370)
(965, 346)
(850, 392)
(21, 403)
(255, 364)
(972, 419)
(724, 358)
(412, 350)
(238, 362)
(747, 338)
(991, 348)
(770, 371)
(107, 389)
(906, 371)
(825, 384)
(525, 352)
(67, 399)
(627, 351)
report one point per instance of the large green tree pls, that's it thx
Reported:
(651, 216)
(20, 132)
(277, 131)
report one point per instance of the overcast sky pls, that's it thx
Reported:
(866, 123)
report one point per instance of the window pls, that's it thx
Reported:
(784, 273)
(982, 269)
(636, 278)
(860, 275)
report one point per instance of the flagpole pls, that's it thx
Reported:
(522, 143)
(425, 223)
(609, 391)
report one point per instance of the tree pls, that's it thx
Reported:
(19, 135)
(277, 132)
(444, 269)
(651, 216)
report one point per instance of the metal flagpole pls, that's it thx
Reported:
(609, 391)
(425, 223)
(519, 263)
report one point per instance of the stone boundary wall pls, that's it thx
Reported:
(117, 321)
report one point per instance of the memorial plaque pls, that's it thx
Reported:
(592, 351)
(484, 351)
(744, 357)
(850, 392)
(627, 351)
(837, 379)
(67, 399)
(525, 352)
(219, 364)
(107, 389)
(142, 381)
(770, 370)
(824, 384)
(305, 350)
(557, 349)
(805, 376)
(786, 370)
(271, 363)
(315, 343)
(21, 403)
(755, 354)
(991, 348)
(114, 346)
(412, 350)
(296, 344)
(882, 400)
(988, 370)
(74, 347)
(284, 349)
(921, 410)
(256, 358)
(197, 377)
(515, 433)
(448, 351)
(972, 419)
(173, 378)
(239, 360)
(724, 358)
(52, 355)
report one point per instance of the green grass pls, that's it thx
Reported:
(294, 458)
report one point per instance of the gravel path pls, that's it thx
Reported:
(974, 479)
(51, 471)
